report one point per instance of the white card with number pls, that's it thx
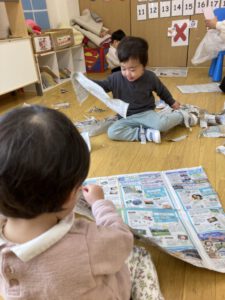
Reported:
(200, 5)
(177, 8)
(141, 12)
(153, 10)
(164, 9)
(188, 7)
(214, 3)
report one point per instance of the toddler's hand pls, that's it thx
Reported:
(176, 105)
(92, 193)
(211, 23)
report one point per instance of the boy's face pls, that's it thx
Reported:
(132, 69)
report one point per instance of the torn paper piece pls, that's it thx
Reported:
(170, 72)
(199, 88)
(83, 86)
(61, 105)
(86, 138)
(142, 135)
(213, 131)
(178, 139)
(203, 123)
(160, 104)
(96, 109)
(95, 127)
(207, 119)
(221, 149)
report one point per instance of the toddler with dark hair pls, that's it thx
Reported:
(111, 56)
(46, 253)
(135, 85)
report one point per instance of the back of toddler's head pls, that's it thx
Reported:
(118, 35)
(42, 158)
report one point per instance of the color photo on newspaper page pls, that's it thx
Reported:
(177, 210)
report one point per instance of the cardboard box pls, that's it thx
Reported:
(95, 59)
(42, 43)
(61, 38)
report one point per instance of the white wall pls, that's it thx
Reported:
(61, 11)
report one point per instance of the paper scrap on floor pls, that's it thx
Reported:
(83, 86)
(170, 72)
(213, 131)
(199, 88)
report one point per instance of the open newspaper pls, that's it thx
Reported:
(177, 210)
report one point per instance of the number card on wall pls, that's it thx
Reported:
(214, 3)
(200, 5)
(181, 36)
(177, 8)
(164, 9)
(188, 8)
(153, 10)
(141, 12)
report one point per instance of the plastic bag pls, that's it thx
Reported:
(209, 47)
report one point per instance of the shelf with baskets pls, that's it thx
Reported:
(55, 67)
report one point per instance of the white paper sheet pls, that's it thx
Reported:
(170, 72)
(199, 88)
(83, 86)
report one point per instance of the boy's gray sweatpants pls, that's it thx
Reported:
(128, 129)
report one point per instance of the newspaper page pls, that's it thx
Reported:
(176, 210)
(83, 86)
(199, 88)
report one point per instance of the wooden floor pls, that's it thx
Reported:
(178, 280)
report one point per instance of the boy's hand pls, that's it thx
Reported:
(211, 23)
(176, 105)
(92, 193)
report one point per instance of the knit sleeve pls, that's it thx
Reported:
(105, 84)
(109, 240)
(162, 91)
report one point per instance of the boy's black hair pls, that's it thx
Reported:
(117, 35)
(42, 158)
(134, 48)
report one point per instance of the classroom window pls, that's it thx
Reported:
(37, 11)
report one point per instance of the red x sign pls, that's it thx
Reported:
(180, 32)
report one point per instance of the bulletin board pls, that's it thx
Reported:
(153, 20)
(155, 32)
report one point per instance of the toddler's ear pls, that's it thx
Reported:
(73, 196)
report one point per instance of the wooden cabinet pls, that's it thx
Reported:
(17, 63)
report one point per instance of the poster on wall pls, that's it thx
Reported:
(181, 36)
